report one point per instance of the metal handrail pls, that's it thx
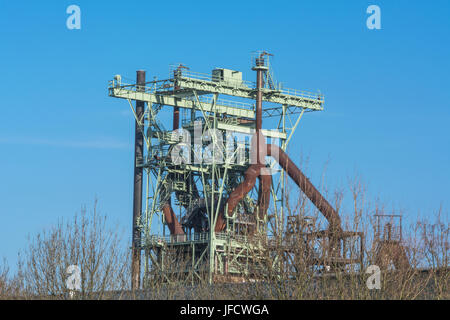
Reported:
(226, 102)
(286, 91)
(303, 94)
(113, 84)
(210, 78)
(207, 77)
(169, 239)
(205, 99)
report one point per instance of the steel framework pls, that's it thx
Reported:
(203, 159)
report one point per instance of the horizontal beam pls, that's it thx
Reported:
(123, 93)
(278, 111)
(249, 93)
(250, 130)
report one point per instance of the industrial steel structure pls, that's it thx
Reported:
(220, 202)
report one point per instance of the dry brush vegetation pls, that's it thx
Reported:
(104, 260)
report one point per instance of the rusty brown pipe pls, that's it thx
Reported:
(265, 182)
(254, 170)
(264, 192)
(285, 162)
(175, 227)
(176, 118)
(137, 191)
(258, 144)
(306, 186)
(238, 194)
(259, 86)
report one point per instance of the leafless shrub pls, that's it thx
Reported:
(273, 273)
(86, 242)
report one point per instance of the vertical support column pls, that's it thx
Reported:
(260, 67)
(137, 192)
(259, 86)
(176, 118)
(283, 176)
(261, 149)
(212, 216)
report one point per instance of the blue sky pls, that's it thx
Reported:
(64, 141)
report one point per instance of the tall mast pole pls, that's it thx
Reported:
(137, 192)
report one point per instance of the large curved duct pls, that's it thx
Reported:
(258, 153)
(306, 186)
(238, 194)
(265, 182)
(250, 175)
(175, 227)
(264, 191)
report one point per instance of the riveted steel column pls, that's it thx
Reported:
(137, 192)
(259, 87)
(260, 68)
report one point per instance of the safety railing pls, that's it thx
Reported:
(243, 238)
(179, 238)
(303, 94)
(175, 72)
(160, 240)
(182, 73)
(149, 87)
(225, 102)
(167, 85)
